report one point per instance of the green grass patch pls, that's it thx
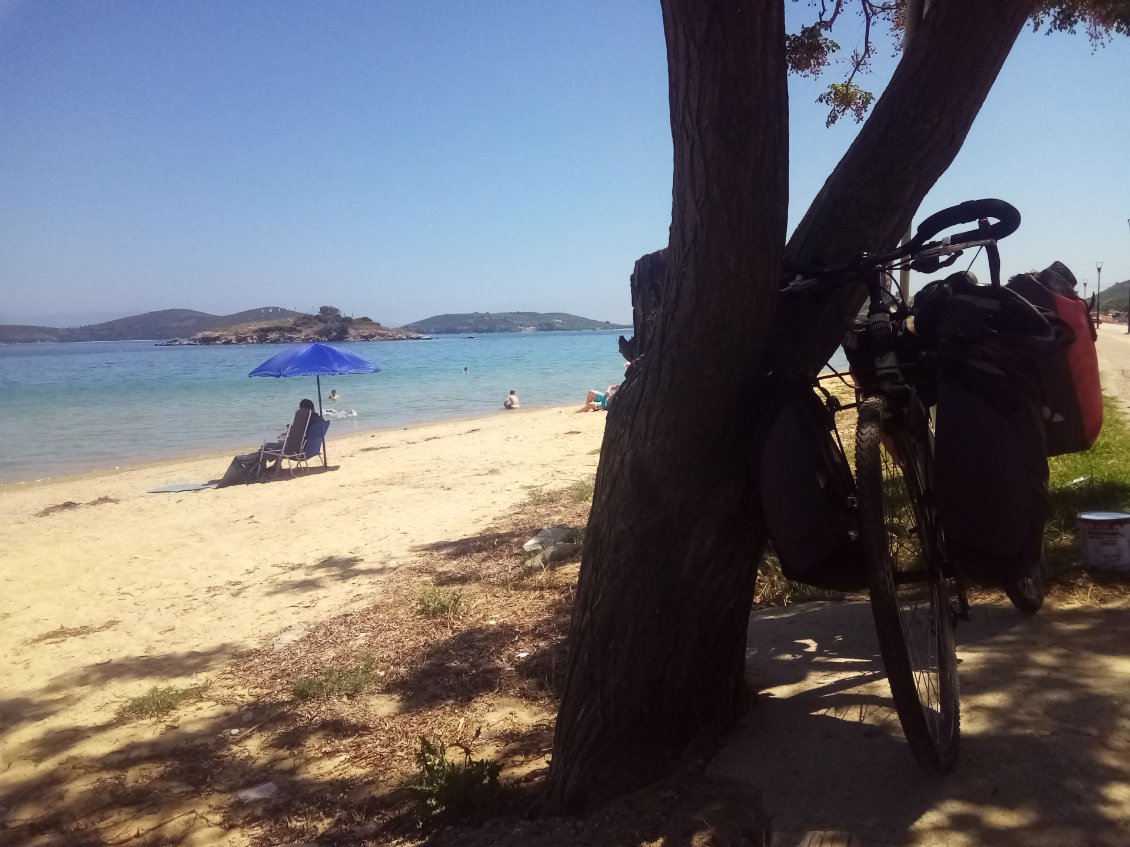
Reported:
(537, 495)
(581, 491)
(1097, 480)
(577, 492)
(338, 682)
(451, 789)
(436, 602)
(161, 700)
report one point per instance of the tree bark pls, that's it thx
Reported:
(647, 287)
(658, 632)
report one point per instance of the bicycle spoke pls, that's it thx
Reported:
(908, 594)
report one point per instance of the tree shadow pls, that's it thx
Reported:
(164, 666)
(1045, 744)
(452, 671)
(18, 711)
(320, 731)
(327, 571)
(50, 741)
(474, 545)
(158, 790)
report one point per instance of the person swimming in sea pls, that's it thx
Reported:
(334, 396)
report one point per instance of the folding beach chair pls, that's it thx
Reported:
(292, 444)
(312, 448)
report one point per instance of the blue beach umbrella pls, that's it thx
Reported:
(316, 360)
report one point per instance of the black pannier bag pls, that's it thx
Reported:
(808, 494)
(991, 470)
(1073, 398)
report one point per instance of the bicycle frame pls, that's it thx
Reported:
(894, 380)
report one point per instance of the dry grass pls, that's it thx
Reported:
(65, 632)
(67, 505)
(484, 671)
(159, 701)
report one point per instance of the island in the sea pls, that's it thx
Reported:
(328, 325)
(474, 323)
(273, 325)
(265, 325)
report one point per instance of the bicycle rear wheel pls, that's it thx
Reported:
(909, 593)
(1027, 593)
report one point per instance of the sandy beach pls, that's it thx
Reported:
(109, 590)
(124, 589)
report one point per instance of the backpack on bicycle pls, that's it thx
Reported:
(990, 445)
(1073, 397)
(807, 493)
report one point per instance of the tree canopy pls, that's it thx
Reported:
(810, 50)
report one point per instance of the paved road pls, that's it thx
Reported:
(1114, 362)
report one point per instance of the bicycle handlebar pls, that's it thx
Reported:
(1007, 216)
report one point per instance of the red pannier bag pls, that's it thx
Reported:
(1073, 397)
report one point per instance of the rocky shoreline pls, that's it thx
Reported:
(209, 338)
(329, 325)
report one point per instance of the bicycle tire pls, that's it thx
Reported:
(909, 593)
(1027, 593)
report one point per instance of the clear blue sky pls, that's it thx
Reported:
(403, 159)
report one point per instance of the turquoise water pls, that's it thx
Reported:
(69, 408)
(76, 407)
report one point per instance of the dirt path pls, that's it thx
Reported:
(1046, 731)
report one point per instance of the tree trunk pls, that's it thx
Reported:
(657, 642)
(658, 631)
(647, 286)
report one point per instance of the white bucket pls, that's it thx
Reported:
(1105, 539)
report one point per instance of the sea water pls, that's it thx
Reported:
(85, 406)
(69, 408)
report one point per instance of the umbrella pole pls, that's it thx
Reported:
(325, 459)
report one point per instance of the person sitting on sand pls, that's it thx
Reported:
(308, 405)
(598, 400)
(511, 401)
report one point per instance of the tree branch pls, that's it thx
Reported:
(915, 131)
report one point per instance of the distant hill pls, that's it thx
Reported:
(1116, 298)
(486, 322)
(167, 323)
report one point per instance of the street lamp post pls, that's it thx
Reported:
(1099, 293)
